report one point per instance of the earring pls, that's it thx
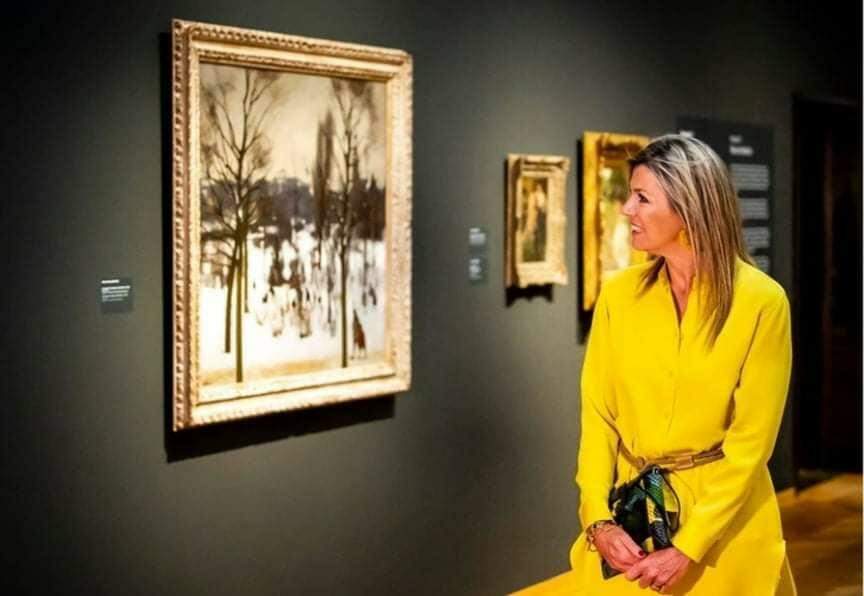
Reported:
(683, 239)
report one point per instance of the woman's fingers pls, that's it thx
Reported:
(619, 539)
(636, 571)
(626, 556)
(631, 546)
(618, 549)
(623, 556)
(646, 571)
(660, 570)
(672, 568)
(628, 550)
(648, 578)
(674, 578)
(613, 557)
(662, 579)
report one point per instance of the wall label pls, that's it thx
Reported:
(477, 238)
(115, 295)
(477, 261)
(477, 267)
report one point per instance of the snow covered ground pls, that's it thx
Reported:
(286, 331)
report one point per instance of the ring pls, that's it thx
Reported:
(656, 588)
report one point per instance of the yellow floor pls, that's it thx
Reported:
(823, 530)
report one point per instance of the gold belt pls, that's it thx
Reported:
(676, 461)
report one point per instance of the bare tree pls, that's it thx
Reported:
(235, 154)
(322, 170)
(353, 99)
(369, 205)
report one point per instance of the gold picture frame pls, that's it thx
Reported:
(291, 222)
(536, 220)
(605, 186)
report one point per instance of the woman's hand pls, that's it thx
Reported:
(619, 550)
(660, 570)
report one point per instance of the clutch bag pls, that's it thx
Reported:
(648, 509)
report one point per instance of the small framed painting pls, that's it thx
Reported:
(536, 220)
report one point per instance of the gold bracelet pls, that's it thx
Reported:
(598, 527)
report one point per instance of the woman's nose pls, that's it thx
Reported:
(626, 207)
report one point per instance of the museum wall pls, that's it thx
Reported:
(463, 485)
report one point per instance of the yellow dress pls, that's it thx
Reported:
(651, 383)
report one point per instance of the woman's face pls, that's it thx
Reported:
(654, 226)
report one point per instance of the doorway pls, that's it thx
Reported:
(827, 289)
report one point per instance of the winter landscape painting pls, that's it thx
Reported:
(293, 216)
(296, 225)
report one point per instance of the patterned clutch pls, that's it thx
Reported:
(648, 509)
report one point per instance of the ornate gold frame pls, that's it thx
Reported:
(552, 269)
(193, 43)
(601, 150)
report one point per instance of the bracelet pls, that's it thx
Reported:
(598, 527)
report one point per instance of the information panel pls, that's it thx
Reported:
(748, 151)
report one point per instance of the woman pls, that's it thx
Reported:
(689, 355)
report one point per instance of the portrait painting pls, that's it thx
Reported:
(536, 220)
(531, 230)
(605, 187)
(292, 222)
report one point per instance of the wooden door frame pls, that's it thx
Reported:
(799, 102)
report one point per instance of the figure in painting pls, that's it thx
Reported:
(533, 219)
(615, 247)
(359, 337)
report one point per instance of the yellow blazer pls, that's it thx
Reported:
(655, 386)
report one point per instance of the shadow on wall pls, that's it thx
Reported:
(227, 436)
(514, 293)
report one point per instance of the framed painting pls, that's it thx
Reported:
(536, 220)
(605, 187)
(291, 222)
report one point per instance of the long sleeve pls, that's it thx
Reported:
(598, 445)
(759, 399)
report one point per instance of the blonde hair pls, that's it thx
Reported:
(700, 191)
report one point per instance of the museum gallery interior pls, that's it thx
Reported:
(298, 293)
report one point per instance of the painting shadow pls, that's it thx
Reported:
(583, 317)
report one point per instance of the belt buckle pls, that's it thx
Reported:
(683, 462)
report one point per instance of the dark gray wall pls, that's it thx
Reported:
(464, 484)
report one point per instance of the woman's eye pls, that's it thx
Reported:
(642, 199)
